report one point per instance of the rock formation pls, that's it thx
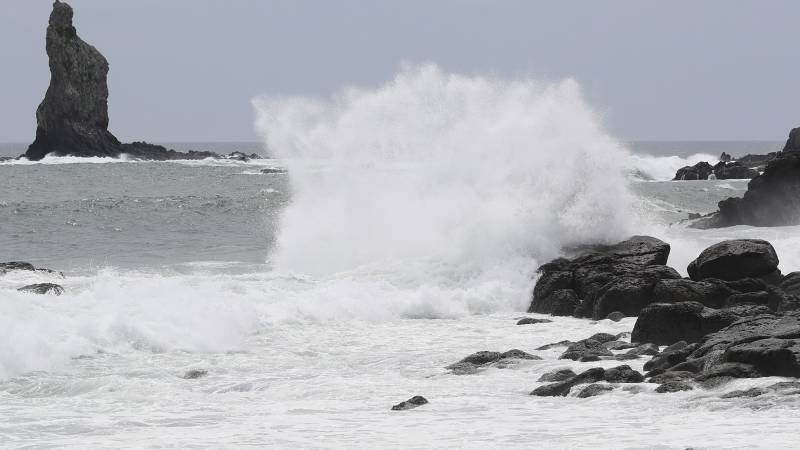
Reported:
(772, 198)
(73, 117)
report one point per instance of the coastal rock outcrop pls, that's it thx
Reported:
(73, 117)
(735, 259)
(772, 198)
(603, 280)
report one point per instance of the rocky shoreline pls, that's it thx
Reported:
(735, 316)
(72, 120)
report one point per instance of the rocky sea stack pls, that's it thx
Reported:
(72, 120)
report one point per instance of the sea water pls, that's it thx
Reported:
(405, 236)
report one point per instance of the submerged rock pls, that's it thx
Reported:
(557, 375)
(471, 363)
(594, 390)
(674, 386)
(413, 402)
(532, 321)
(42, 288)
(194, 374)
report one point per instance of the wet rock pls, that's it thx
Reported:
(616, 316)
(729, 370)
(672, 376)
(603, 279)
(273, 170)
(463, 368)
(532, 321)
(619, 345)
(42, 288)
(239, 156)
(623, 335)
(734, 170)
(594, 390)
(680, 345)
(767, 342)
(626, 357)
(585, 348)
(699, 171)
(480, 358)
(195, 374)
(562, 388)
(734, 259)
(555, 345)
(674, 386)
(670, 358)
(665, 324)
(518, 354)
(785, 387)
(15, 265)
(748, 393)
(557, 375)
(414, 402)
(602, 337)
(772, 198)
(644, 349)
(623, 374)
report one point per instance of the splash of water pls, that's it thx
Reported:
(461, 170)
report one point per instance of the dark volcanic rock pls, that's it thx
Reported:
(734, 171)
(532, 321)
(15, 265)
(617, 278)
(518, 354)
(411, 403)
(667, 323)
(790, 283)
(562, 388)
(195, 374)
(734, 260)
(42, 288)
(594, 390)
(767, 342)
(772, 198)
(73, 117)
(674, 386)
(699, 171)
(585, 350)
(273, 170)
(616, 316)
(623, 374)
(557, 375)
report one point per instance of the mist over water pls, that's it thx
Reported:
(465, 171)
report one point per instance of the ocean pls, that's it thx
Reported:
(405, 236)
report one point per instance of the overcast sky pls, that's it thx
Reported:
(185, 70)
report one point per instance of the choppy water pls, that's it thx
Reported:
(317, 299)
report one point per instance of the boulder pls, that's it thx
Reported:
(644, 349)
(532, 321)
(790, 283)
(413, 402)
(603, 279)
(42, 288)
(767, 342)
(562, 388)
(586, 350)
(623, 374)
(699, 171)
(194, 374)
(734, 260)
(594, 390)
(616, 316)
(734, 171)
(557, 375)
(667, 323)
(674, 386)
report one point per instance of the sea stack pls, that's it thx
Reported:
(72, 120)
(73, 117)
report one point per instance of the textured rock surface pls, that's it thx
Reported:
(772, 198)
(606, 279)
(734, 260)
(73, 117)
(42, 288)
(413, 402)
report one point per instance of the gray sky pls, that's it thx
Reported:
(185, 70)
